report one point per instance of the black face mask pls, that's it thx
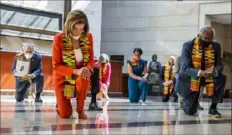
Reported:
(170, 64)
(205, 43)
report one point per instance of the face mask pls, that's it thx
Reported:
(170, 64)
(28, 55)
(205, 43)
(75, 37)
(103, 64)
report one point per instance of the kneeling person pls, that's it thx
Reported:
(34, 75)
(201, 67)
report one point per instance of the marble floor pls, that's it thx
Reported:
(120, 117)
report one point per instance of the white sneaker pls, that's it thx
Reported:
(143, 103)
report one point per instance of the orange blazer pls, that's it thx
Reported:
(59, 70)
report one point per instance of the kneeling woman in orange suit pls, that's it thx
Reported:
(72, 60)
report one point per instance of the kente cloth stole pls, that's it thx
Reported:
(134, 62)
(209, 62)
(70, 61)
(19, 57)
(102, 71)
(167, 77)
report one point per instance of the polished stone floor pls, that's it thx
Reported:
(120, 117)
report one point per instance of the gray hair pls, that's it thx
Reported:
(24, 45)
(173, 57)
(203, 29)
(103, 58)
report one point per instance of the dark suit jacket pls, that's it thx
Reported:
(187, 71)
(35, 66)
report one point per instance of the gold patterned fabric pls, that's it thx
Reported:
(70, 61)
(209, 62)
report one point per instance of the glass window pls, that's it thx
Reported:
(18, 16)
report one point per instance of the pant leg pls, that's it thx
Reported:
(190, 103)
(219, 83)
(21, 89)
(64, 104)
(133, 90)
(143, 90)
(39, 81)
(94, 84)
(82, 86)
(165, 97)
(174, 93)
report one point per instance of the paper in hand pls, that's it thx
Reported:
(22, 68)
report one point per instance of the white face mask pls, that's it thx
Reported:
(28, 55)
(75, 37)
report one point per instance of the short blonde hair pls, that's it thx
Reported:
(75, 17)
(103, 58)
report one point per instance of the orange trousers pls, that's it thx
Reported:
(64, 104)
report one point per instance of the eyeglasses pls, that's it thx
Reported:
(204, 39)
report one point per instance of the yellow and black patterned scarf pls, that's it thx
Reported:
(134, 62)
(209, 62)
(20, 57)
(167, 77)
(70, 61)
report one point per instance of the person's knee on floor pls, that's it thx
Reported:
(190, 107)
(165, 98)
(65, 113)
(19, 98)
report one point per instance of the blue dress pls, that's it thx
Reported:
(137, 88)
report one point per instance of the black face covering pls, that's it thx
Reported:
(170, 64)
(204, 43)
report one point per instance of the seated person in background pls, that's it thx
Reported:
(104, 75)
(201, 67)
(34, 75)
(137, 81)
(93, 106)
(168, 80)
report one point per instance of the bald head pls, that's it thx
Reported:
(207, 32)
(206, 35)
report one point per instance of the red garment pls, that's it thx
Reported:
(59, 73)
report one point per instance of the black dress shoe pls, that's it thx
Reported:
(38, 99)
(199, 107)
(94, 107)
(214, 113)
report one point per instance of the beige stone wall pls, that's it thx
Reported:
(156, 27)
(228, 47)
(223, 36)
